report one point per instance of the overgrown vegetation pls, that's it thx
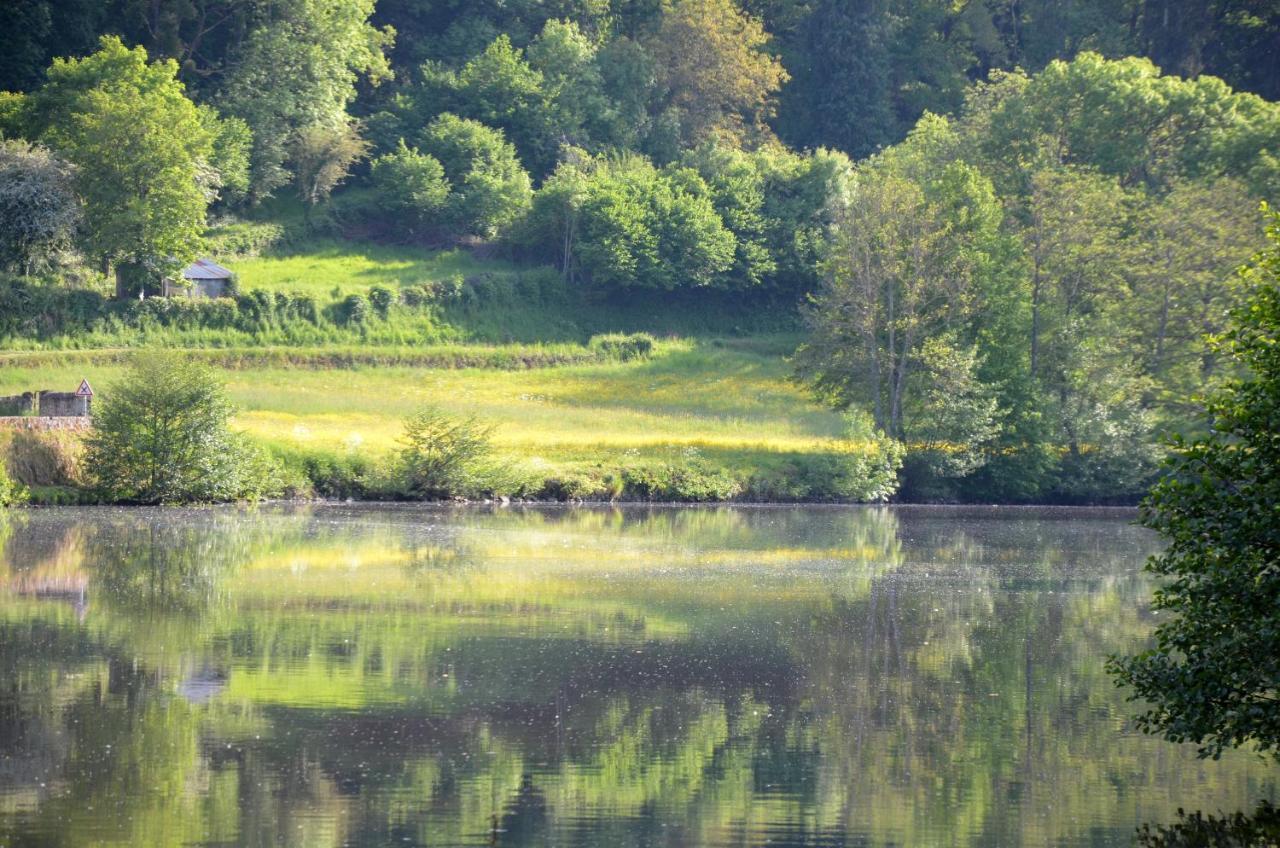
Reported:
(1007, 232)
(11, 492)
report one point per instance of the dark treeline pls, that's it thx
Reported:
(860, 73)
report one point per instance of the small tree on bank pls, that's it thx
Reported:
(443, 456)
(161, 437)
(1213, 677)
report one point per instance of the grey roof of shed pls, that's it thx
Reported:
(205, 269)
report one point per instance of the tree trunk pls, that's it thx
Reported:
(122, 286)
(1036, 282)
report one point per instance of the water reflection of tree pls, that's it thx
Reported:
(426, 557)
(154, 563)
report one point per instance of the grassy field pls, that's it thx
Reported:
(323, 268)
(731, 401)
(511, 349)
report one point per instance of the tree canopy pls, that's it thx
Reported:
(39, 210)
(142, 149)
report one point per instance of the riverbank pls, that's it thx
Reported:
(694, 419)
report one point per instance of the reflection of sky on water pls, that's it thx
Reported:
(352, 675)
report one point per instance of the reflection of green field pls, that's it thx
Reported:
(734, 405)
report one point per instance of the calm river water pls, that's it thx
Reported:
(350, 675)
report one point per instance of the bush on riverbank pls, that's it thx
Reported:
(161, 436)
(444, 456)
(11, 492)
(624, 347)
(857, 475)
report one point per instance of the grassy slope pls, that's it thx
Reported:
(320, 267)
(728, 399)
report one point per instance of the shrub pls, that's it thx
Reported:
(353, 309)
(848, 475)
(623, 347)
(540, 285)
(416, 297)
(489, 189)
(411, 186)
(304, 306)
(689, 480)
(449, 289)
(256, 307)
(11, 492)
(243, 238)
(863, 468)
(329, 475)
(444, 456)
(569, 487)
(381, 299)
(161, 436)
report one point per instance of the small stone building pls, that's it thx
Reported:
(202, 278)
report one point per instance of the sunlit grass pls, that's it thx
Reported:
(735, 404)
(319, 267)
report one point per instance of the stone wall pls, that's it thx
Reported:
(62, 404)
(45, 422)
(23, 404)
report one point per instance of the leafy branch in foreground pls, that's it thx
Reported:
(1194, 830)
(1213, 677)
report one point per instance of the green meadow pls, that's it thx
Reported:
(511, 347)
(729, 401)
(327, 268)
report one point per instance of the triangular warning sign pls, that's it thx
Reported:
(85, 389)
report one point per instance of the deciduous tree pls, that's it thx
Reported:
(911, 247)
(711, 58)
(38, 206)
(296, 69)
(142, 152)
(322, 155)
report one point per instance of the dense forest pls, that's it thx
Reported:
(1008, 231)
